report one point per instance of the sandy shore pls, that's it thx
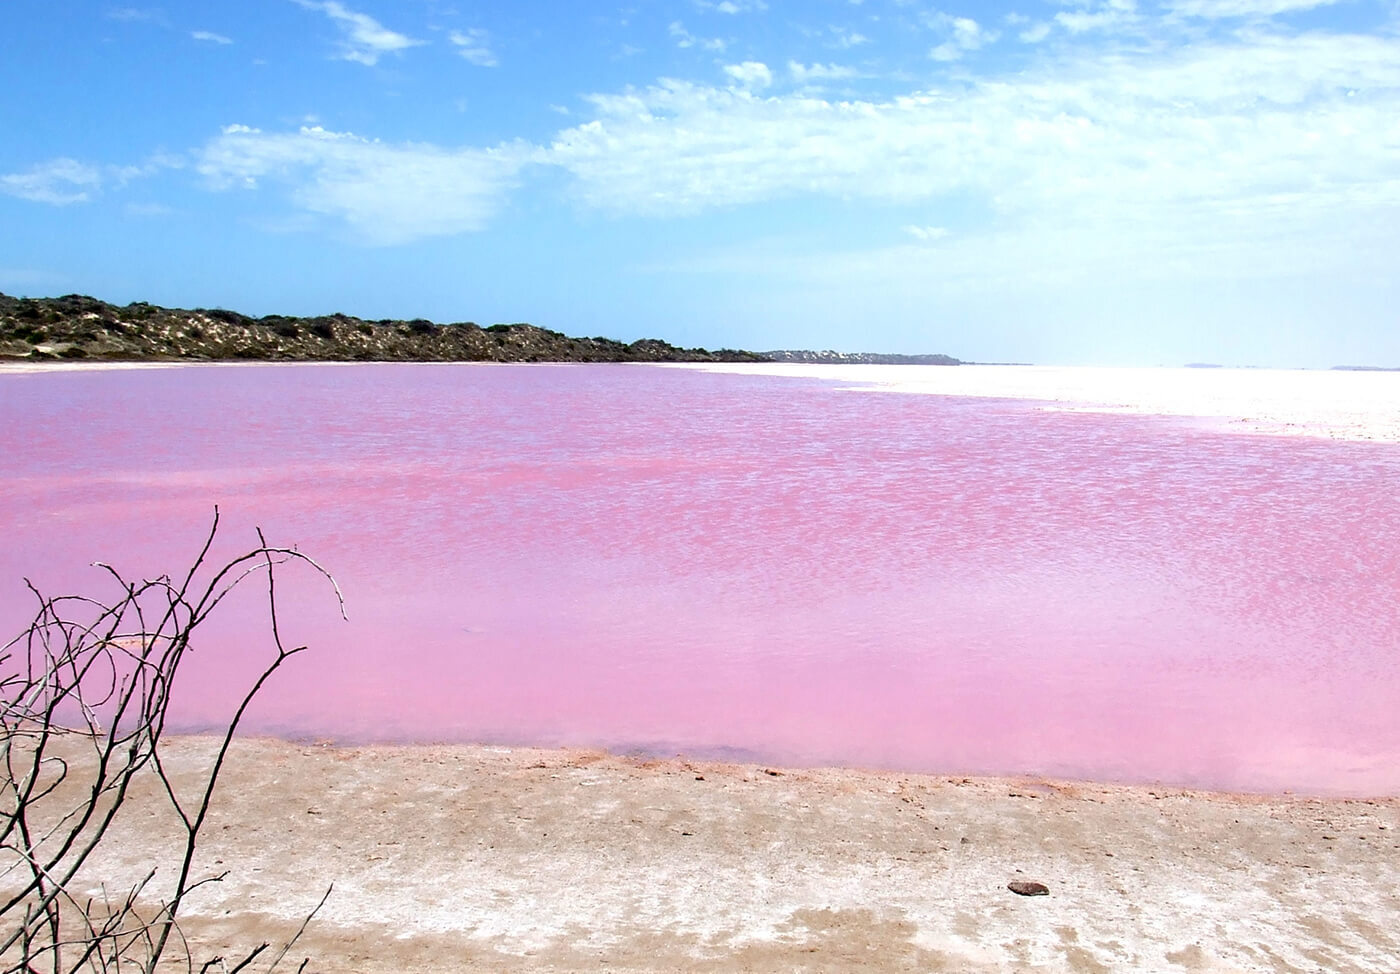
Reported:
(480, 858)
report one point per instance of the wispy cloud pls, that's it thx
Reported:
(120, 176)
(732, 6)
(475, 46)
(364, 40)
(846, 39)
(64, 181)
(1262, 130)
(147, 210)
(1215, 9)
(210, 37)
(685, 38)
(810, 73)
(926, 233)
(134, 14)
(1034, 33)
(1098, 15)
(60, 182)
(383, 193)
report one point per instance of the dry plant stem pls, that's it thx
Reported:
(104, 672)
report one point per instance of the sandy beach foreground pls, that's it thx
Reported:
(516, 859)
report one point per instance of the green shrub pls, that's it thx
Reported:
(227, 317)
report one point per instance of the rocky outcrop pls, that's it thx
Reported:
(76, 326)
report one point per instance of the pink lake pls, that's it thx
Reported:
(774, 569)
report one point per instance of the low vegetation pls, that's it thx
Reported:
(79, 327)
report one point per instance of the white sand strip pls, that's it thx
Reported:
(1361, 406)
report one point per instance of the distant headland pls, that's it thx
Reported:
(856, 358)
(79, 327)
(76, 326)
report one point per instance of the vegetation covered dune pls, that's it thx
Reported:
(79, 327)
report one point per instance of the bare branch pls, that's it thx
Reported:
(103, 671)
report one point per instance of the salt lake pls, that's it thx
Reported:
(1136, 580)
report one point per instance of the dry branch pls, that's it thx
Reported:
(100, 672)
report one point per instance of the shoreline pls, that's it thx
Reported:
(476, 857)
(733, 757)
(1351, 406)
(1262, 403)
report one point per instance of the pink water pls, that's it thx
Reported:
(772, 568)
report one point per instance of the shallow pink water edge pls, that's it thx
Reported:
(770, 568)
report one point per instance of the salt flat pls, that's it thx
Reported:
(485, 858)
(1341, 405)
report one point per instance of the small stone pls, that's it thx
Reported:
(1023, 888)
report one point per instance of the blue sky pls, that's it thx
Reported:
(1059, 181)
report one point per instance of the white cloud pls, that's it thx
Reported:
(1213, 9)
(926, 233)
(133, 14)
(122, 175)
(732, 6)
(685, 38)
(1263, 131)
(964, 34)
(807, 73)
(750, 74)
(210, 36)
(1035, 33)
(364, 39)
(65, 181)
(475, 46)
(147, 209)
(384, 193)
(1102, 15)
(847, 39)
(59, 182)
